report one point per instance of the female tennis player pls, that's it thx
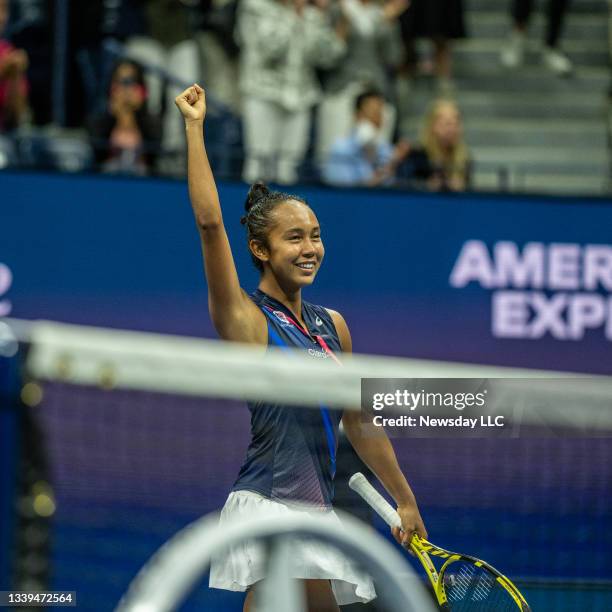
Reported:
(291, 457)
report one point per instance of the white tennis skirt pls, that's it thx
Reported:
(244, 564)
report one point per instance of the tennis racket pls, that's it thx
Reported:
(463, 583)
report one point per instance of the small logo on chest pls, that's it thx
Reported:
(282, 317)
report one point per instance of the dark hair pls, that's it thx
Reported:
(259, 205)
(363, 96)
(139, 76)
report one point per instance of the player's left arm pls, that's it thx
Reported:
(377, 453)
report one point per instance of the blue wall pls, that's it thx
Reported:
(125, 253)
(414, 275)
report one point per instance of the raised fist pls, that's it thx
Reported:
(192, 103)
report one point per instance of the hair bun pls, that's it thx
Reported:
(258, 191)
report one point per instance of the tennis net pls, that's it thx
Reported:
(131, 436)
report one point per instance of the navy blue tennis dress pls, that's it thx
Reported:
(292, 454)
(289, 468)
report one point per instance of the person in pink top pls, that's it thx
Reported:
(13, 83)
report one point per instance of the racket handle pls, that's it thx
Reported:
(359, 483)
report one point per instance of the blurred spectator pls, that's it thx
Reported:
(78, 57)
(513, 54)
(220, 51)
(125, 136)
(282, 43)
(364, 157)
(31, 29)
(374, 44)
(447, 155)
(168, 42)
(193, 41)
(440, 21)
(374, 49)
(13, 83)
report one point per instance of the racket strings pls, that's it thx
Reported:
(474, 589)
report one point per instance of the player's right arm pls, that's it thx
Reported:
(234, 315)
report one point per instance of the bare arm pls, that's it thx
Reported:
(376, 451)
(16, 102)
(13, 70)
(234, 315)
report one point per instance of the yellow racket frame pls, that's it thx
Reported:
(423, 549)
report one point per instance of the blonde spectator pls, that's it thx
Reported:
(446, 150)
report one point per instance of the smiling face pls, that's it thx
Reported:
(294, 249)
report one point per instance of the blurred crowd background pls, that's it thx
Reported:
(442, 95)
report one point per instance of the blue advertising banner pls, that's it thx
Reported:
(508, 280)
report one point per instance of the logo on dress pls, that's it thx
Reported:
(318, 321)
(282, 317)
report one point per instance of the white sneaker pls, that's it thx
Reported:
(513, 53)
(557, 62)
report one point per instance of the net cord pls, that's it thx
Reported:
(176, 364)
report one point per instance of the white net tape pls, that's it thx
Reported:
(154, 362)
